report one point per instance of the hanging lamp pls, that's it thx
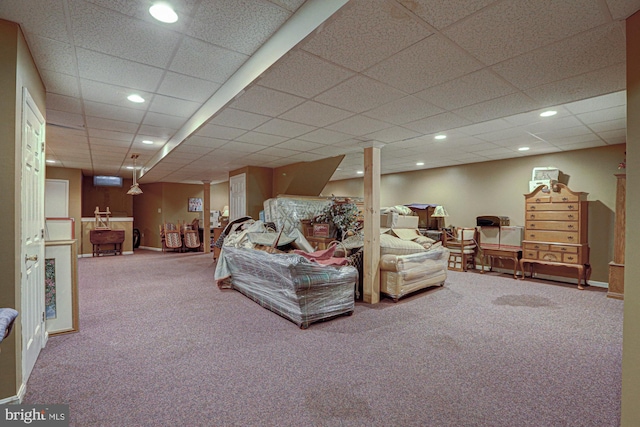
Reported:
(134, 190)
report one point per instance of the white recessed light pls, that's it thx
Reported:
(50, 161)
(135, 98)
(163, 13)
(548, 113)
(523, 149)
(147, 141)
(420, 164)
(359, 172)
(440, 136)
(130, 167)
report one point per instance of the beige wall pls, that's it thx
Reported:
(631, 337)
(498, 188)
(74, 176)
(17, 70)
(219, 196)
(258, 187)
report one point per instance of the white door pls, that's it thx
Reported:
(237, 196)
(32, 256)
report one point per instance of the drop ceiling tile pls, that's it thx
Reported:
(284, 128)
(108, 124)
(278, 152)
(622, 9)
(63, 103)
(582, 145)
(609, 114)
(291, 74)
(588, 85)
(110, 94)
(485, 127)
(110, 135)
(614, 99)
(375, 29)
(315, 114)
(173, 106)
(392, 134)
(585, 52)
(358, 125)
(467, 90)
(241, 25)
(262, 100)
(53, 55)
(498, 107)
(303, 157)
(216, 131)
(156, 133)
(438, 123)
(427, 63)
(45, 18)
(159, 119)
(261, 139)
(299, 145)
(113, 112)
(196, 58)
(113, 33)
(186, 87)
(441, 13)
(325, 136)
(570, 139)
(614, 137)
(63, 118)
(328, 150)
(404, 110)
(200, 150)
(62, 84)
(499, 32)
(359, 94)
(552, 124)
(238, 119)
(609, 126)
(242, 147)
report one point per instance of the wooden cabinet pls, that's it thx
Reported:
(111, 238)
(616, 267)
(555, 235)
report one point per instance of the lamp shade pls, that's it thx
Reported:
(439, 212)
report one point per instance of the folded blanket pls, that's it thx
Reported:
(7, 316)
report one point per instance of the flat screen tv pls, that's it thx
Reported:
(107, 181)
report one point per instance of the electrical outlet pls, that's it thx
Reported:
(159, 210)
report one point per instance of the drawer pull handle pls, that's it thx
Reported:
(570, 258)
(532, 235)
(538, 200)
(533, 208)
(532, 216)
(570, 216)
(563, 249)
(569, 237)
(571, 207)
(564, 199)
(570, 226)
(532, 225)
(537, 247)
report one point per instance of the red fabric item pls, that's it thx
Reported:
(324, 257)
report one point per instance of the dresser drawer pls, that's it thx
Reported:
(564, 197)
(550, 256)
(552, 225)
(564, 249)
(529, 254)
(552, 236)
(552, 216)
(571, 258)
(535, 246)
(553, 207)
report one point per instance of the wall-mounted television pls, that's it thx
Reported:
(107, 181)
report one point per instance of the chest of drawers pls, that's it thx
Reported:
(555, 232)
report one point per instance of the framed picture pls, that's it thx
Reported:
(321, 230)
(61, 286)
(195, 204)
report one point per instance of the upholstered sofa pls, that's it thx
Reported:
(289, 284)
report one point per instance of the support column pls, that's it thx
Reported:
(206, 232)
(370, 269)
(631, 329)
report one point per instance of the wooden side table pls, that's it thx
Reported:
(107, 237)
(492, 251)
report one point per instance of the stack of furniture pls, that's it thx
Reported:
(463, 248)
(555, 233)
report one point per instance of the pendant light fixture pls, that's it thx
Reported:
(134, 190)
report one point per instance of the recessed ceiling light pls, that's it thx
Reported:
(135, 98)
(440, 137)
(420, 164)
(548, 113)
(359, 172)
(130, 167)
(147, 141)
(163, 13)
(50, 161)
(523, 149)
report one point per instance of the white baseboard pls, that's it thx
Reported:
(571, 280)
(17, 399)
(91, 255)
(150, 248)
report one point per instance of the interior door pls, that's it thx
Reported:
(237, 196)
(32, 234)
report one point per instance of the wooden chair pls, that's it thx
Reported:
(172, 240)
(191, 239)
(463, 248)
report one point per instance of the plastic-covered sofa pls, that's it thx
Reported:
(290, 285)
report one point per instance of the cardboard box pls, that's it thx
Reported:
(393, 220)
(490, 235)
(548, 182)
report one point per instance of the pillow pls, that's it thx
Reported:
(392, 245)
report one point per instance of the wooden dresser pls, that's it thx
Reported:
(555, 235)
